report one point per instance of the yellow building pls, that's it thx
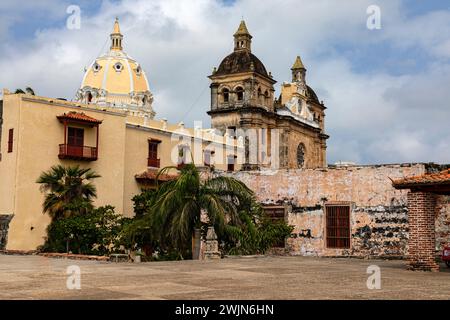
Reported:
(117, 137)
(110, 128)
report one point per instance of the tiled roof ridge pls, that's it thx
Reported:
(442, 177)
(79, 116)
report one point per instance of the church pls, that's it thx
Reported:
(276, 144)
(291, 126)
(110, 127)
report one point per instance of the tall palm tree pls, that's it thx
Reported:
(69, 191)
(28, 90)
(179, 204)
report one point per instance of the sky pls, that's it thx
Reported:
(386, 90)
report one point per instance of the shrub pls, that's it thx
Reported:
(96, 232)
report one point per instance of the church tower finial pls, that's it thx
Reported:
(298, 71)
(116, 37)
(242, 38)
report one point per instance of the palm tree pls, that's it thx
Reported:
(28, 90)
(179, 204)
(69, 191)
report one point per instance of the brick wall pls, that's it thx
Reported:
(422, 239)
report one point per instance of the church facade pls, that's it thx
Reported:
(287, 132)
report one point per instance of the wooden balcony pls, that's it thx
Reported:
(154, 163)
(82, 153)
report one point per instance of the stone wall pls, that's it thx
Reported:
(379, 214)
(442, 222)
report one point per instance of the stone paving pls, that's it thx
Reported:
(35, 277)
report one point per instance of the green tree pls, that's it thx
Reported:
(69, 191)
(179, 203)
(96, 232)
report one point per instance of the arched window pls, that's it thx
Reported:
(301, 155)
(226, 95)
(240, 93)
(260, 97)
(266, 97)
(89, 97)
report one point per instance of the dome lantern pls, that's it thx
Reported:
(116, 37)
(242, 38)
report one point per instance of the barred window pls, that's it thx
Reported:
(338, 226)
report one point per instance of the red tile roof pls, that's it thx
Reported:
(150, 175)
(78, 116)
(430, 179)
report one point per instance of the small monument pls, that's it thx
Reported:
(212, 245)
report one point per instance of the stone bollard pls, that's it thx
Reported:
(212, 245)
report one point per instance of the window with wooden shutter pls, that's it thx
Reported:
(75, 137)
(338, 226)
(10, 140)
(153, 160)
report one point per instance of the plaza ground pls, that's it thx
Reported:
(35, 277)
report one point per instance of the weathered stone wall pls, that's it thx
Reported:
(379, 214)
(442, 222)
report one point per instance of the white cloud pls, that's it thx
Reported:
(372, 116)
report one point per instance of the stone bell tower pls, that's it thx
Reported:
(240, 82)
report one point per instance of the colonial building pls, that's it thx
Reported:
(109, 128)
(345, 210)
(289, 130)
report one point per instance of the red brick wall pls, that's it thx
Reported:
(422, 238)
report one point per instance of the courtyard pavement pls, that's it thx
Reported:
(35, 277)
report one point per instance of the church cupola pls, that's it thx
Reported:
(242, 38)
(116, 37)
(116, 80)
(298, 71)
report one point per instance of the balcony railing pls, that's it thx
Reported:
(83, 153)
(154, 163)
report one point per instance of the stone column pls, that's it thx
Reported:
(196, 244)
(214, 96)
(212, 245)
(422, 237)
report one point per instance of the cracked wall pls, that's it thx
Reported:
(378, 215)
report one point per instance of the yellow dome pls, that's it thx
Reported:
(116, 80)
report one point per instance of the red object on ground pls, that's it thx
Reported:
(446, 256)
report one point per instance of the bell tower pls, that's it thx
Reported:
(242, 38)
(299, 75)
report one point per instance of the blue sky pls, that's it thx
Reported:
(386, 90)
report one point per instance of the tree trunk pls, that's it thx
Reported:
(196, 238)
